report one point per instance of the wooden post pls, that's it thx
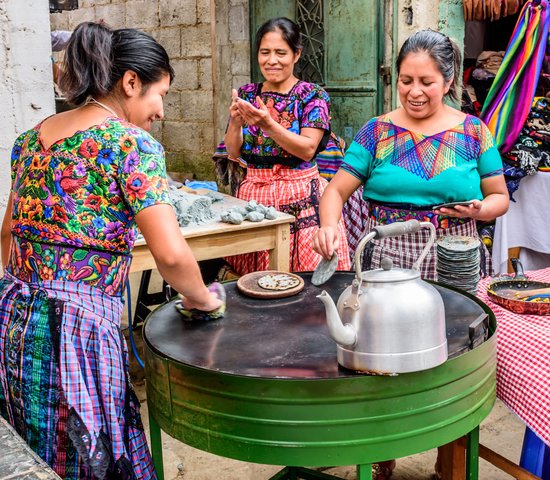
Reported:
(279, 256)
(452, 460)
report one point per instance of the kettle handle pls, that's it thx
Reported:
(394, 230)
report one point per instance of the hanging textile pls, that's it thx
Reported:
(489, 9)
(511, 95)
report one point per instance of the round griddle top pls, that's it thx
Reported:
(281, 338)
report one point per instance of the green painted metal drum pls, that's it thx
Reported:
(263, 384)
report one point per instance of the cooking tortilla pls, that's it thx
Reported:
(278, 281)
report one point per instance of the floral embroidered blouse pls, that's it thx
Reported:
(85, 190)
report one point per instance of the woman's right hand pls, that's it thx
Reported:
(326, 241)
(235, 116)
(212, 302)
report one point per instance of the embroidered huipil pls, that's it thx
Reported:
(64, 381)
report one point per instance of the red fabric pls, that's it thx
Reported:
(523, 361)
(296, 192)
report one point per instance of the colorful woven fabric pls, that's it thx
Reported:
(64, 382)
(523, 357)
(296, 193)
(397, 165)
(509, 99)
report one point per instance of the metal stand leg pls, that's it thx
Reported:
(472, 454)
(156, 446)
(364, 471)
(146, 299)
(302, 473)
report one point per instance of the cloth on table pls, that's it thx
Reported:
(523, 356)
(526, 224)
(490, 61)
(191, 209)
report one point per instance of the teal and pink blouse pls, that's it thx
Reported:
(400, 166)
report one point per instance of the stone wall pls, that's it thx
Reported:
(208, 42)
(26, 92)
(184, 28)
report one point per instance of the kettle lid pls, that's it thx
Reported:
(388, 274)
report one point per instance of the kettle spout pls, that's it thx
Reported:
(342, 334)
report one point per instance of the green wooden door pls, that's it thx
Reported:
(342, 52)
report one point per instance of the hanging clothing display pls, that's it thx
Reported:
(513, 89)
(489, 9)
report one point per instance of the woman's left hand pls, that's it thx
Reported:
(462, 211)
(259, 117)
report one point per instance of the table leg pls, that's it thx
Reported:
(156, 446)
(452, 461)
(279, 257)
(472, 454)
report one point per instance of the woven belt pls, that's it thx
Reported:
(385, 214)
(35, 262)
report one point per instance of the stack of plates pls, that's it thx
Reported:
(458, 260)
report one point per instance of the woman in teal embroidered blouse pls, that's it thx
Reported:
(423, 154)
(414, 158)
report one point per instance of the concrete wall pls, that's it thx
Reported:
(26, 92)
(208, 42)
(184, 28)
(232, 56)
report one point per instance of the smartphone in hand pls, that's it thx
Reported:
(452, 205)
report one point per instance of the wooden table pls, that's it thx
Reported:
(216, 239)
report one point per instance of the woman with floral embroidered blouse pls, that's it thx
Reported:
(83, 181)
(275, 130)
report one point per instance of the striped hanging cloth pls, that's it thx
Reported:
(509, 99)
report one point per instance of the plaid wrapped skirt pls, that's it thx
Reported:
(296, 192)
(64, 382)
(362, 216)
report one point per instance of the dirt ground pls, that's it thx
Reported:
(501, 431)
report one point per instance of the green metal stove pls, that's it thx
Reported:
(263, 385)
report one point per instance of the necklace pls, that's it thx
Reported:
(102, 105)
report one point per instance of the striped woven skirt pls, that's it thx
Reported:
(405, 249)
(64, 383)
(296, 192)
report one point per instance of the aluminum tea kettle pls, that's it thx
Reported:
(389, 320)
